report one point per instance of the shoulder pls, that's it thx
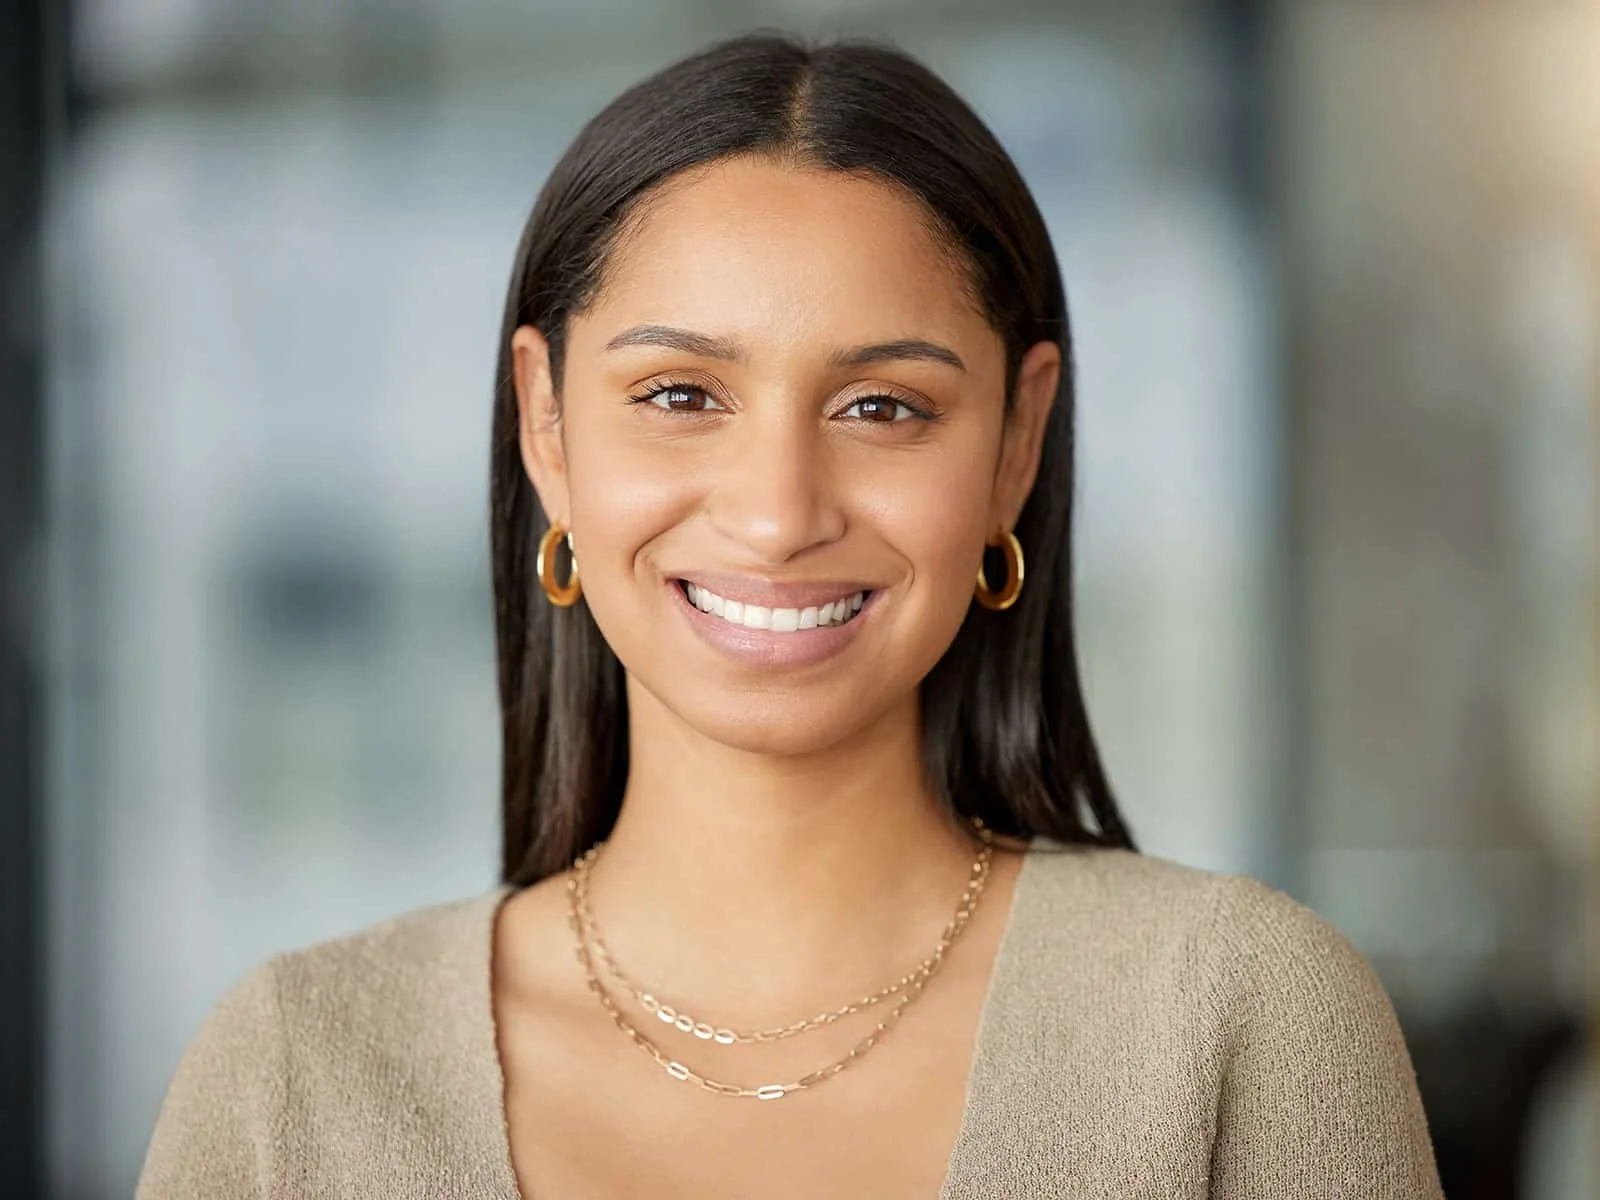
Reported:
(406, 999)
(1260, 951)
(1103, 876)
(1304, 1068)
(224, 1104)
(410, 960)
(1089, 901)
(317, 1041)
(1233, 921)
(1247, 950)
(393, 968)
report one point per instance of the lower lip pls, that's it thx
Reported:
(766, 648)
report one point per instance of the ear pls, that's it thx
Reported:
(544, 457)
(1037, 378)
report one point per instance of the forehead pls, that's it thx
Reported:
(752, 244)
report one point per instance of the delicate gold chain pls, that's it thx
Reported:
(576, 895)
(705, 1031)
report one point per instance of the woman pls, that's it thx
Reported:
(813, 883)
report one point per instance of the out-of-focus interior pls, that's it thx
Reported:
(1334, 274)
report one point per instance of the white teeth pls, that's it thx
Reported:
(780, 620)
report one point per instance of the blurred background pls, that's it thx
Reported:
(1334, 271)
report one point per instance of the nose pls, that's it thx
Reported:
(774, 493)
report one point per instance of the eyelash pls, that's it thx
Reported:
(917, 412)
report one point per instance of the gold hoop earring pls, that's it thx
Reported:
(561, 595)
(999, 601)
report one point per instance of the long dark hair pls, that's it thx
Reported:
(1005, 734)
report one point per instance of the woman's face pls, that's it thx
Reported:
(780, 444)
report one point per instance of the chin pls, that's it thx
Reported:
(769, 725)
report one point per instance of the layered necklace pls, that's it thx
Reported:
(591, 948)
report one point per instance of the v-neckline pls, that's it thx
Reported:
(982, 1050)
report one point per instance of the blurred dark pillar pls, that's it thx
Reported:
(22, 114)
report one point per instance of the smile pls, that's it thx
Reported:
(840, 611)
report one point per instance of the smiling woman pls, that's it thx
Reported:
(795, 751)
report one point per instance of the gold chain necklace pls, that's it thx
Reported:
(705, 1031)
(577, 890)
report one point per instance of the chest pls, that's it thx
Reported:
(588, 1114)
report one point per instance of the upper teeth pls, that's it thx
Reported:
(783, 620)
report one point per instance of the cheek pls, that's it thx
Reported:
(623, 495)
(935, 518)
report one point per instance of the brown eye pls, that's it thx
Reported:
(881, 409)
(677, 397)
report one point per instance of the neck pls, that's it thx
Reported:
(772, 883)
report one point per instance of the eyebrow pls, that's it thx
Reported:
(703, 345)
(905, 349)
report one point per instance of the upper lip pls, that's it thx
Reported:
(771, 593)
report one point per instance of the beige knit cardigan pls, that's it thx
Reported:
(1150, 1030)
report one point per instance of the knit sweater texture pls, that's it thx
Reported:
(1150, 1030)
